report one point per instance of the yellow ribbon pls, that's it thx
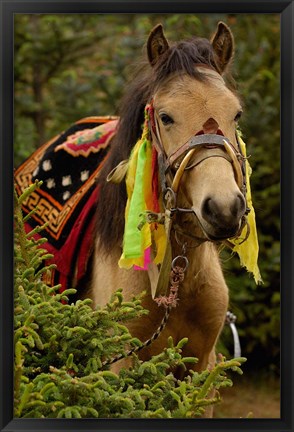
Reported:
(248, 250)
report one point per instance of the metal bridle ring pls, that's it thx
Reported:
(173, 264)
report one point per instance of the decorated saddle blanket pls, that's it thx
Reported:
(68, 165)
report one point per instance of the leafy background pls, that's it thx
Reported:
(71, 66)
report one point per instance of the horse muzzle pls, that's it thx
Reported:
(219, 221)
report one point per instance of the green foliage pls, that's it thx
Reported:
(257, 66)
(60, 347)
(71, 66)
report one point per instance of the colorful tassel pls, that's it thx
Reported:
(141, 183)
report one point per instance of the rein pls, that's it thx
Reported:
(176, 277)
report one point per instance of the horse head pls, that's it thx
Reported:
(194, 116)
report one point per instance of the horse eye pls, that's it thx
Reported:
(166, 119)
(238, 116)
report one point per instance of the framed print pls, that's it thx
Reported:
(146, 215)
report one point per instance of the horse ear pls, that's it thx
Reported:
(156, 44)
(223, 45)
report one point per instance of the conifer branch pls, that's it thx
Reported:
(60, 347)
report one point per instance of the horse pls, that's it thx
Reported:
(192, 123)
(181, 117)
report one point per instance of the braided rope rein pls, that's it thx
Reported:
(169, 302)
(145, 344)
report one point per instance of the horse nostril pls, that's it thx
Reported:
(238, 206)
(209, 208)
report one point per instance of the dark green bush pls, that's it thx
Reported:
(60, 347)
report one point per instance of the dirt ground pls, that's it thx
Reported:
(250, 398)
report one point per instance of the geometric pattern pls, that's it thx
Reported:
(68, 166)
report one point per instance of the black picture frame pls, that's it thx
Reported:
(7, 10)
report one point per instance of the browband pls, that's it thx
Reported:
(203, 139)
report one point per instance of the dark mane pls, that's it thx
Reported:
(179, 58)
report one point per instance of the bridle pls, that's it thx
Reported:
(198, 147)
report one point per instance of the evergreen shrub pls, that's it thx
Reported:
(60, 347)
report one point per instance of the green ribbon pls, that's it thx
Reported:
(133, 236)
